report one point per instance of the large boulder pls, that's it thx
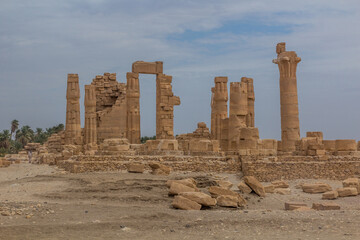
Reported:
(185, 203)
(227, 201)
(352, 182)
(330, 195)
(244, 188)
(326, 206)
(347, 191)
(200, 198)
(159, 169)
(216, 191)
(190, 182)
(255, 185)
(316, 187)
(177, 188)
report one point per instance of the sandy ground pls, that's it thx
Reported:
(48, 203)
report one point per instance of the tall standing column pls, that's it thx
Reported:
(90, 136)
(133, 107)
(250, 118)
(238, 112)
(290, 128)
(165, 102)
(72, 125)
(219, 106)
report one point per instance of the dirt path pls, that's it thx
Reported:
(49, 204)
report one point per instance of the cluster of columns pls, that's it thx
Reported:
(290, 128)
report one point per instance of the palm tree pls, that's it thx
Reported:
(14, 127)
(24, 135)
(5, 138)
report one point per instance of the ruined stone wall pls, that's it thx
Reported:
(177, 163)
(110, 107)
(300, 167)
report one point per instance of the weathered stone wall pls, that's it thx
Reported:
(177, 163)
(301, 167)
(110, 107)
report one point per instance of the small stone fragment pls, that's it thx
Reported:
(159, 169)
(136, 168)
(347, 191)
(330, 195)
(190, 182)
(352, 182)
(326, 206)
(283, 191)
(316, 187)
(225, 184)
(280, 184)
(294, 205)
(269, 188)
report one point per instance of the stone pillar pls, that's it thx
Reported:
(90, 136)
(290, 128)
(250, 118)
(72, 125)
(133, 107)
(218, 106)
(165, 101)
(238, 111)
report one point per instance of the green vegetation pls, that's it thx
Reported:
(144, 139)
(14, 140)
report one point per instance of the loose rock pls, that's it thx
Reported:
(200, 198)
(185, 204)
(316, 187)
(255, 185)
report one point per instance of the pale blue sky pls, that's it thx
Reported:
(43, 40)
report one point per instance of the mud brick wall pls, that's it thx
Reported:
(177, 163)
(301, 167)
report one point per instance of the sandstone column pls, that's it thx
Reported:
(238, 112)
(72, 125)
(133, 107)
(250, 118)
(218, 106)
(90, 136)
(165, 102)
(290, 129)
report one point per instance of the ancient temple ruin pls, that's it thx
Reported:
(111, 135)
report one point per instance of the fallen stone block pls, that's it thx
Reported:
(294, 205)
(347, 191)
(280, 184)
(255, 185)
(269, 188)
(225, 184)
(200, 198)
(190, 182)
(316, 187)
(326, 206)
(330, 195)
(136, 168)
(303, 209)
(227, 201)
(177, 188)
(244, 188)
(216, 191)
(352, 182)
(180, 202)
(159, 169)
(283, 191)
